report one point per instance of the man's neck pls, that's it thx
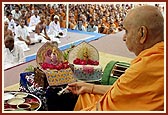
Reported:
(11, 49)
(55, 22)
(22, 26)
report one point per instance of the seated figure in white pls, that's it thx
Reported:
(55, 31)
(92, 27)
(11, 22)
(34, 20)
(22, 37)
(13, 54)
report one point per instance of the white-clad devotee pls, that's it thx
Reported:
(13, 54)
(81, 23)
(11, 22)
(34, 20)
(16, 14)
(22, 37)
(55, 31)
(92, 27)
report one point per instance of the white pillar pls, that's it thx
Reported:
(67, 15)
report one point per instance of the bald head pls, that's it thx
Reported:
(9, 42)
(10, 38)
(148, 16)
(144, 27)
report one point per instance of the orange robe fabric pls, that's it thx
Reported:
(63, 24)
(141, 88)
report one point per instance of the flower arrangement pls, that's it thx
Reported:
(59, 66)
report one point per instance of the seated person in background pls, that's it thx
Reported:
(28, 16)
(55, 31)
(11, 22)
(81, 23)
(13, 54)
(138, 88)
(22, 37)
(103, 29)
(34, 20)
(72, 22)
(6, 30)
(62, 22)
(40, 31)
(16, 14)
(22, 33)
(23, 15)
(92, 27)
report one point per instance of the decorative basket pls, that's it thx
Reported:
(56, 71)
(59, 77)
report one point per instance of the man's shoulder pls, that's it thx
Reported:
(18, 48)
(18, 27)
(5, 49)
(51, 23)
(13, 12)
(38, 16)
(9, 30)
(33, 16)
(6, 19)
(25, 27)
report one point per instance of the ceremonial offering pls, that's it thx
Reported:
(21, 101)
(21, 95)
(85, 59)
(23, 106)
(59, 77)
(49, 54)
(34, 105)
(15, 101)
(51, 60)
(8, 96)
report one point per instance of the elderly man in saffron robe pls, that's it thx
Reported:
(141, 87)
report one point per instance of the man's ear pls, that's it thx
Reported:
(143, 34)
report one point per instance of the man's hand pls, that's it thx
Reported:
(80, 87)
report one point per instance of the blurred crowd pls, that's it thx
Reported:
(50, 22)
(100, 18)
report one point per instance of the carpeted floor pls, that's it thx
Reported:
(73, 37)
(112, 44)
